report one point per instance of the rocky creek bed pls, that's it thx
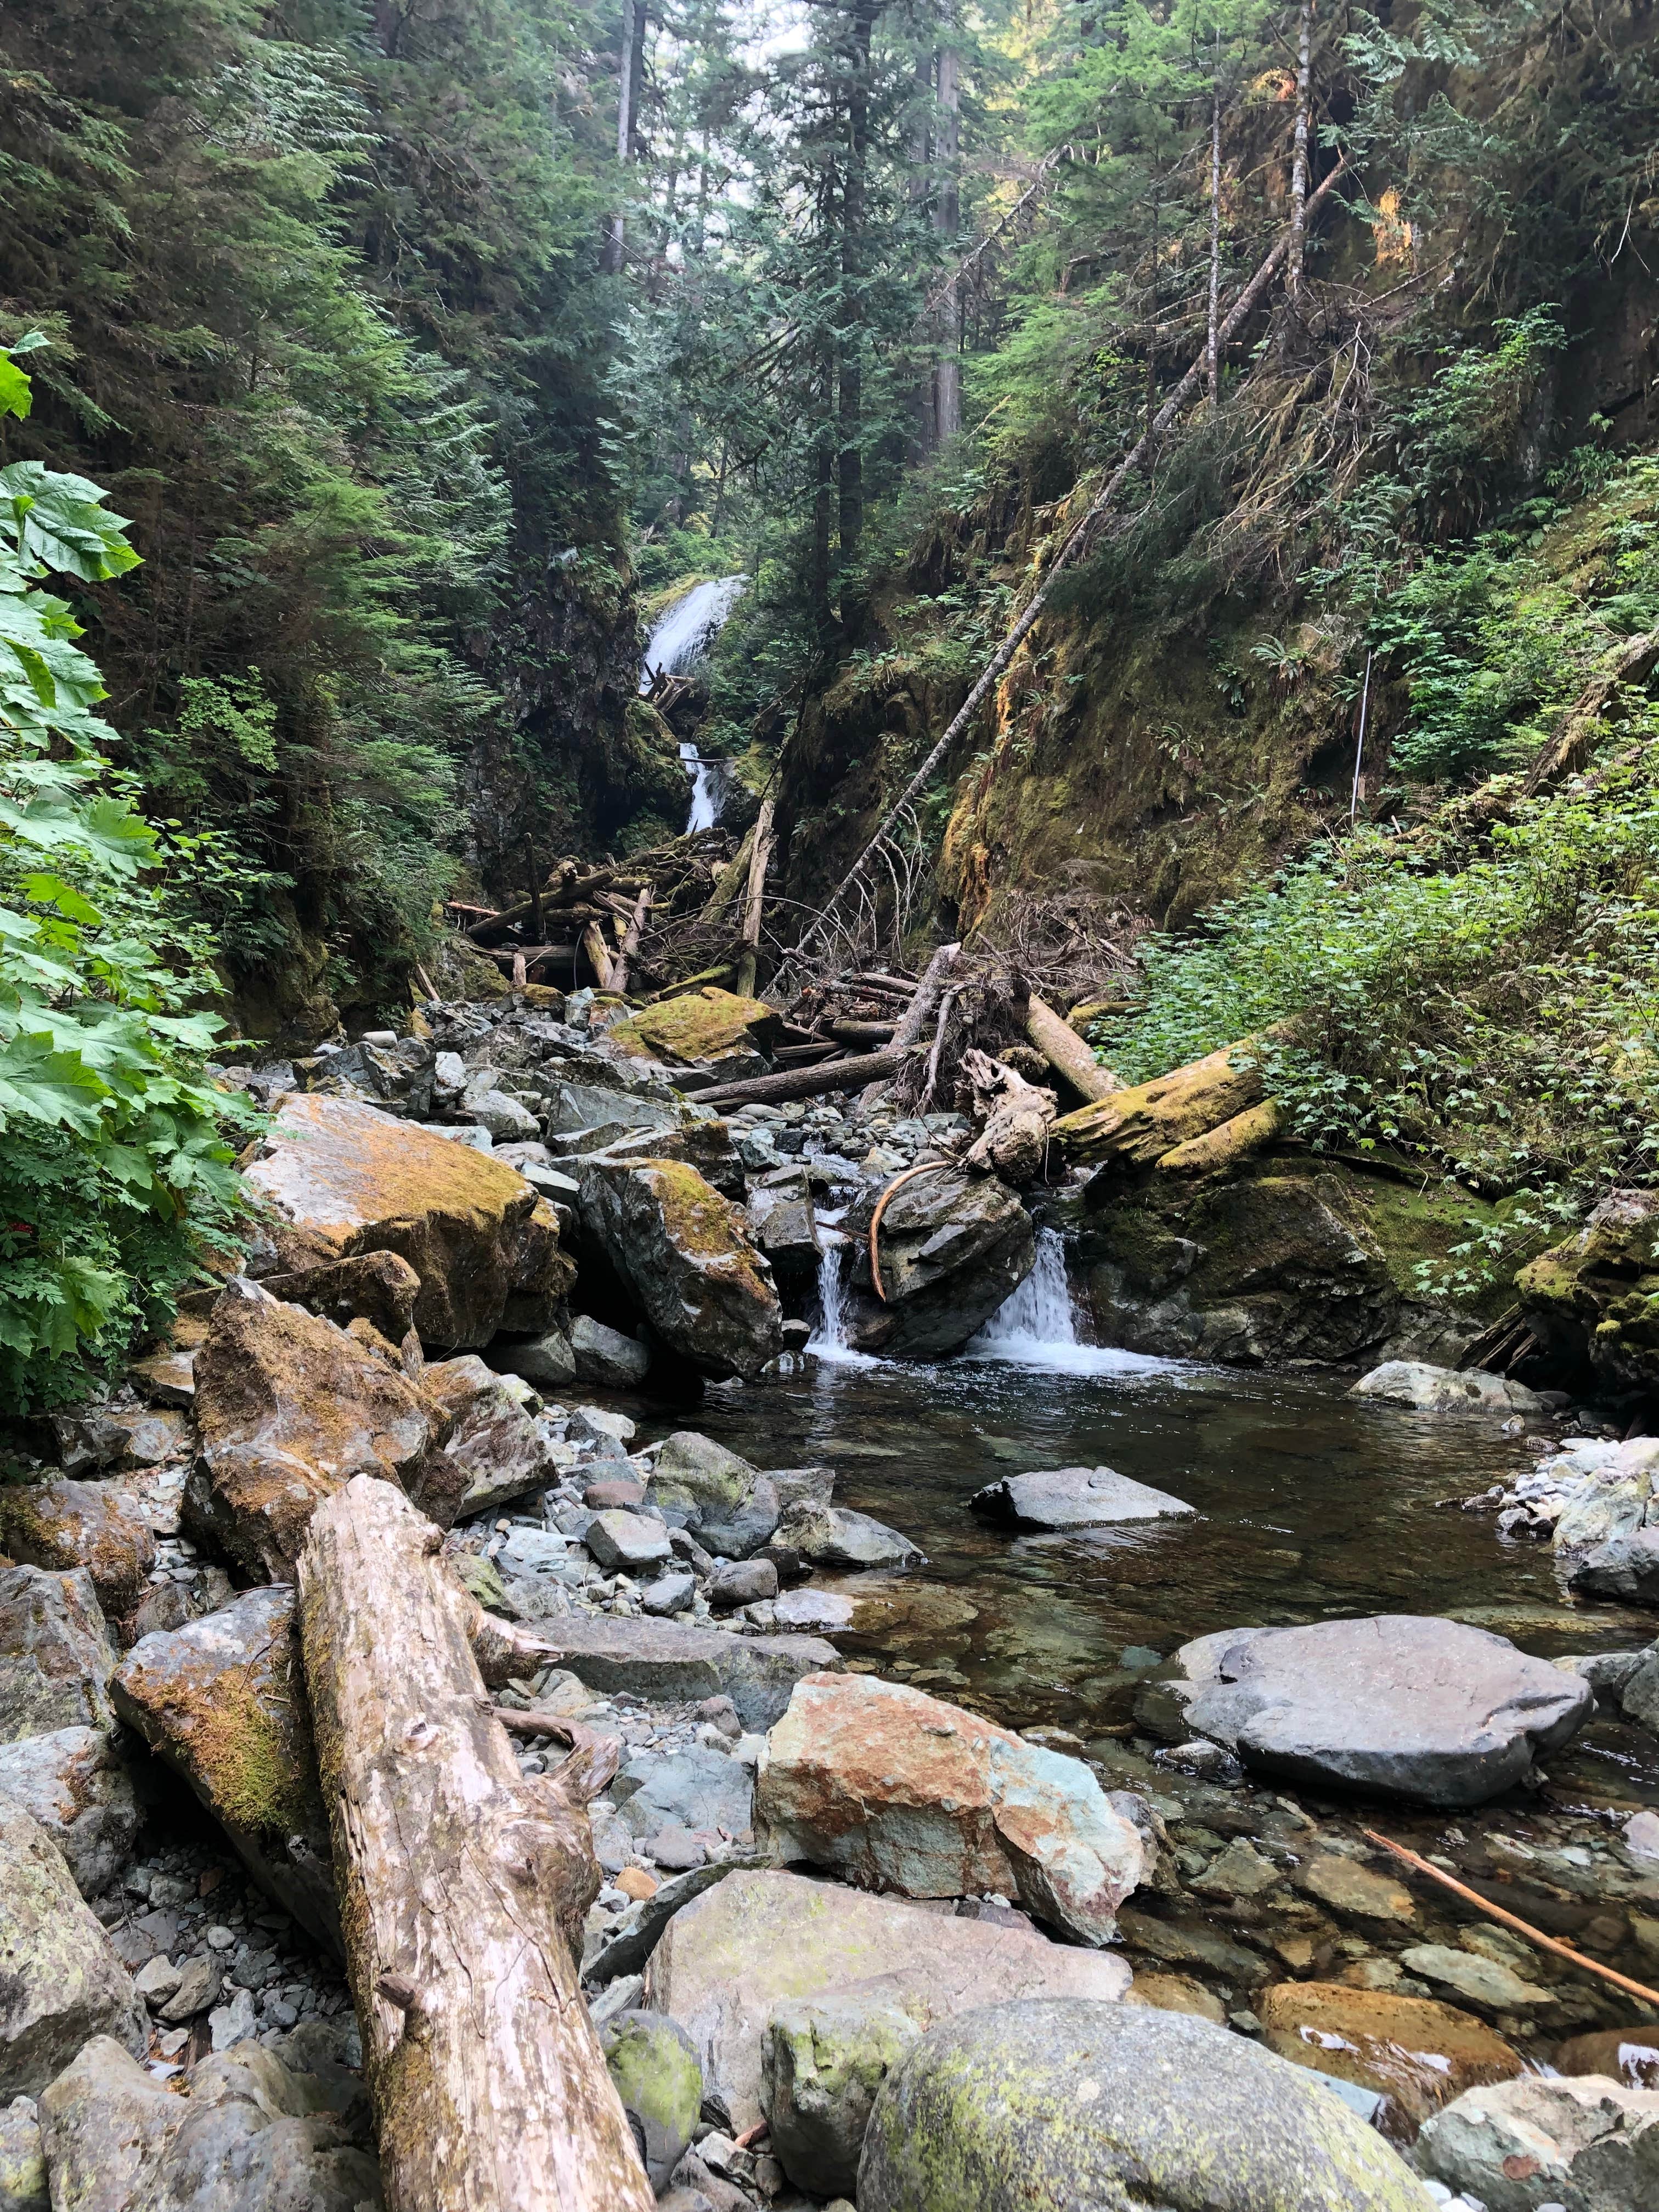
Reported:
(911, 1852)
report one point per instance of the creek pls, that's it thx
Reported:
(1311, 1506)
(680, 640)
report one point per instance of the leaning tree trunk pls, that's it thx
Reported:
(459, 1880)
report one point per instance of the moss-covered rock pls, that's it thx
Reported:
(823, 2063)
(1043, 2107)
(222, 1700)
(100, 1526)
(60, 1980)
(1596, 1297)
(698, 1025)
(653, 2064)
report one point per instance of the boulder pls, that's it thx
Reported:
(252, 2133)
(605, 1356)
(673, 1662)
(697, 1483)
(397, 1077)
(1414, 2051)
(166, 1379)
(822, 2062)
(897, 1791)
(548, 1361)
(628, 1541)
(1073, 1498)
(1585, 2143)
(1043, 2105)
(22, 2162)
(222, 1700)
(379, 1287)
(655, 2072)
(100, 1526)
(1469, 1394)
(783, 1224)
(1595, 1298)
(498, 1450)
(1638, 1697)
(1624, 1567)
(832, 1536)
(76, 1785)
(1398, 1705)
(60, 1980)
(684, 1254)
(697, 1025)
(700, 1789)
(746, 1581)
(55, 1656)
(953, 1248)
(291, 1407)
(760, 1938)
(344, 1178)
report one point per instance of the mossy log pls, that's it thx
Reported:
(1066, 1052)
(461, 1884)
(1151, 1119)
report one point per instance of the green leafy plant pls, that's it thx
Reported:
(116, 1169)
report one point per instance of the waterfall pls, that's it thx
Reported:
(709, 782)
(683, 633)
(829, 1339)
(1035, 1326)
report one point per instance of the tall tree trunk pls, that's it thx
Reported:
(1296, 256)
(850, 458)
(947, 218)
(823, 467)
(925, 433)
(632, 14)
(1211, 346)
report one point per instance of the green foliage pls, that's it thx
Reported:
(115, 1163)
(1491, 1007)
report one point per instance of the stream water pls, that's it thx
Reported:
(1311, 1505)
(680, 639)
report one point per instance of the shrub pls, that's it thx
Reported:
(116, 1165)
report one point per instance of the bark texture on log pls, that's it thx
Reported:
(805, 1081)
(461, 1884)
(1066, 1052)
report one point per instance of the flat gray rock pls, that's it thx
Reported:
(1399, 1704)
(55, 1655)
(699, 1788)
(1464, 1394)
(1030, 2107)
(77, 1786)
(1074, 1498)
(834, 1536)
(673, 1662)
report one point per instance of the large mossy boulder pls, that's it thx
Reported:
(344, 1178)
(222, 1701)
(685, 1255)
(1043, 2106)
(288, 1408)
(100, 1526)
(698, 1025)
(952, 1248)
(1595, 1298)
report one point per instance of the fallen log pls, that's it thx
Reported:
(462, 1884)
(630, 944)
(806, 1082)
(862, 1032)
(922, 1015)
(755, 902)
(1066, 1052)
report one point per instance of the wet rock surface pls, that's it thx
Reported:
(1074, 1498)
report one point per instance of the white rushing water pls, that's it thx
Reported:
(683, 633)
(829, 1339)
(1037, 1326)
(709, 782)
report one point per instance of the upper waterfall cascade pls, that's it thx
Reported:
(681, 635)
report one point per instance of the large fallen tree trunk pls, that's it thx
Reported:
(1066, 1052)
(461, 1883)
(805, 1081)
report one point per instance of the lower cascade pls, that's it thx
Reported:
(1037, 1326)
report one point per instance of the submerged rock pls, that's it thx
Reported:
(1586, 2144)
(685, 1255)
(291, 1407)
(1469, 1394)
(1416, 2052)
(1074, 1498)
(760, 1938)
(55, 1656)
(953, 1248)
(345, 1178)
(100, 1526)
(1399, 1704)
(1043, 2107)
(60, 1980)
(222, 1700)
(898, 1790)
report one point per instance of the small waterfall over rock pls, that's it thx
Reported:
(1035, 1326)
(683, 633)
(829, 1339)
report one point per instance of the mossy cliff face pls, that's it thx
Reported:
(1594, 1300)
(1287, 1256)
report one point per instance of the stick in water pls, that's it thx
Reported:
(1532, 1935)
